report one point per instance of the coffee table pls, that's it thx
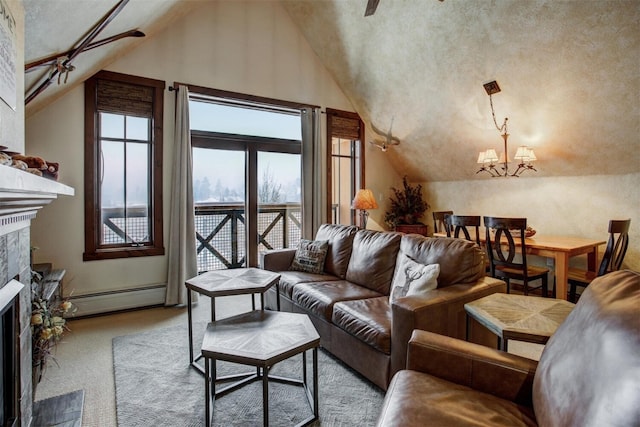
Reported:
(518, 317)
(220, 283)
(260, 338)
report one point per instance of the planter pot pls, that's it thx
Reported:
(421, 229)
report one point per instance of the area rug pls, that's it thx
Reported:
(155, 386)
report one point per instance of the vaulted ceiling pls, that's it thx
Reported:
(569, 73)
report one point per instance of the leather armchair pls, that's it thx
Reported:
(588, 374)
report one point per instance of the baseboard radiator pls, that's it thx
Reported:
(118, 300)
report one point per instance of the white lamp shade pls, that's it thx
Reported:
(522, 153)
(481, 157)
(525, 154)
(490, 156)
(532, 156)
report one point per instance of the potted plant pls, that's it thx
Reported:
(47, 325)
(407, 205)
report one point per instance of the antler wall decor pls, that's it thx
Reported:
(389, 139)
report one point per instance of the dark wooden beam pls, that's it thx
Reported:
(83, 45)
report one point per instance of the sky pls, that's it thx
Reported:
(217, 165)
(228, 166)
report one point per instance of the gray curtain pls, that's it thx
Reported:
(314, 175)
(182, 246)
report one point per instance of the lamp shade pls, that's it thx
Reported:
(532, 156)
(522, 153)
(364, 200)
(490, 156)
(525, 154)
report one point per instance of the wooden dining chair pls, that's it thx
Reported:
(439, 225)
(456, 224)
(614, 253)
(501, 249)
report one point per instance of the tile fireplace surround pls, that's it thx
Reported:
(22, 195)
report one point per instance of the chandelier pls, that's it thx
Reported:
(490, 161)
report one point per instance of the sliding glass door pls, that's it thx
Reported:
(246, 179)
(219, 197)
(279, 200)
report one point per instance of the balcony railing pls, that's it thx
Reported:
(130, 225)
(220, 232)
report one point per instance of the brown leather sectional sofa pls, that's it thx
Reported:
(349, 302)
(588, 374)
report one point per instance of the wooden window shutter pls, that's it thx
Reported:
(125, 98)
(345, 127)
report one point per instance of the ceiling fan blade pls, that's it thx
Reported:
(371, 7)
(87, 40)
(52, 58)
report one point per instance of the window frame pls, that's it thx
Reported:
(94, 250)
(357, 162)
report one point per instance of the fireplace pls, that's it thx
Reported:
(22, 195)
(9, 346)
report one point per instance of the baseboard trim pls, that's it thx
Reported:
(120, 300)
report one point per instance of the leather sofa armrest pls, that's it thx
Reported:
(277, 259)
(440, 311)
(484, 369)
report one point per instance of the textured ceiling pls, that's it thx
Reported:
(569, 73)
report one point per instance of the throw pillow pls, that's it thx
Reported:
(310, 256)
(413, 278)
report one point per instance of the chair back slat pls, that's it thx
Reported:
(457, 224)
(501, 249)
(439, 225)
(616, 246)
(499, 253)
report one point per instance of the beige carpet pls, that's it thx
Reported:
(85, 357)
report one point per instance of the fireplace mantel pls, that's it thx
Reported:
(22, 194)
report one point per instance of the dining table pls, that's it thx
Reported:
(560, 249)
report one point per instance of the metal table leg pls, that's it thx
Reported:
(316, 412)
(265, 396)
(190, 319)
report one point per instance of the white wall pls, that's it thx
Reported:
(12, 121)
(248, 47)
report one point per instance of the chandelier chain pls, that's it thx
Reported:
(502, 128)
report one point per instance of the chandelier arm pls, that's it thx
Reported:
(521, 168)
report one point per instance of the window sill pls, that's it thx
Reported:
(122, 253)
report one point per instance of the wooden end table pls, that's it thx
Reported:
(220, 283)
(518, 317)
(260, 338)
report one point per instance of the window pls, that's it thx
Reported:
(123, 166)
(345, 133)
